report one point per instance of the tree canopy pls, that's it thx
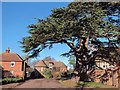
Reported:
(78, 25)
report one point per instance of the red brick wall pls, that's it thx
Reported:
(63, 69)
(109, 81)
(40, 68)
(17, 68)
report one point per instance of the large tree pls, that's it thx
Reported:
(79, 25)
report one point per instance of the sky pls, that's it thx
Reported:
(16, 16)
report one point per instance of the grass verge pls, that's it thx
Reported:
(71, 83)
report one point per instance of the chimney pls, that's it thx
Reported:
(7, 50)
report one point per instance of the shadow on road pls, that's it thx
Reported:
(35, 75)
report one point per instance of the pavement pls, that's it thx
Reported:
(12, 85)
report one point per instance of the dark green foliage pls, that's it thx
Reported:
(47, 73)
(11, 80)
(65, 75)
(76, 25)
(70, 24)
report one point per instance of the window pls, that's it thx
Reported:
(12, 64)
(103, 66)
(51, 65)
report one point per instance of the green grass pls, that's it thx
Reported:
(71, 83)
(67, 83)
(93, 85)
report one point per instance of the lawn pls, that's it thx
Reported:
(71, 83)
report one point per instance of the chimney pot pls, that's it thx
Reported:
(7, 50)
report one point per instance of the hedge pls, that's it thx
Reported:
(11, 80)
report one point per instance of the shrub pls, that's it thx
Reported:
(65, 75)
(56, 74)
(11, 80)
(47, 73)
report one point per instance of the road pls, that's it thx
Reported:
(41, 83)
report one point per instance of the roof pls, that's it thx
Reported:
(44, 63)
(8, 57)
(59, 64)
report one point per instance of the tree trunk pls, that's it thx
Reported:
(87, 41)
(119, 78)
(118, 64)
(83, 76)
(113, 79)
(82, 71)
(80, 67)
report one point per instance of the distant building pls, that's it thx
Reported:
(12, 64)
(55, 66)
(102, 64)
(109, 73)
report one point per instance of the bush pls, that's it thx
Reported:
(56, 74)
(47, 73)
(11, 80)
(65, 75)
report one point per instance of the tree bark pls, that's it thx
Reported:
(119, 75)
(118, 65)
(87, 41)
(113, 79)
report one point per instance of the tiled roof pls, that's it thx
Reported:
(44, 63)
(8, 57)
(59, 64)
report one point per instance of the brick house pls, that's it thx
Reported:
(12, 63)
(108, 77)
(102, 64)
(109, 73)
(55, 66)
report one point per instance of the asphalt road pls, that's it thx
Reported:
(41, 83)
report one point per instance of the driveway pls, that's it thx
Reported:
(41, 83)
